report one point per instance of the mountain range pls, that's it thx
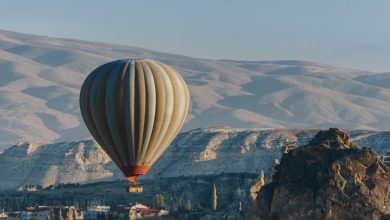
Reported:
(40, 79)
(199, 152)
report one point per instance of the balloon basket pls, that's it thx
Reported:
(135, 188)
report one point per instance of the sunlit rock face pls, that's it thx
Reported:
(197, 152)
(229, 150)
(329, 178)
(67, 162)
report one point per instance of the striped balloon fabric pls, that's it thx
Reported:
(134, 109)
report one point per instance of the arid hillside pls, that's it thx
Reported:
(40, 79)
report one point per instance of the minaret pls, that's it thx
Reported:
(214, 197)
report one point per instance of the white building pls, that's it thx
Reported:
(33, 188)
(3, 214)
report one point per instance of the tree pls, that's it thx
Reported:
(188, 205)
(160, 200)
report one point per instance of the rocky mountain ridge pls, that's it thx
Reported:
(40, 79)
(208, 151)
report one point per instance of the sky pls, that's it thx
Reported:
(348, 33)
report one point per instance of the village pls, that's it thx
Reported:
(135, 210)
(130, 211)
(40, 212)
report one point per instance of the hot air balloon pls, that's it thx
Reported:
(134, 109)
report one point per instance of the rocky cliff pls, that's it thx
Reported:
(329, 178)
(198, 152)
(68, 162)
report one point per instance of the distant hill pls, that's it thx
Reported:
(198, 152)
(40, 78)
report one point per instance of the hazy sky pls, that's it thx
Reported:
(353, 33)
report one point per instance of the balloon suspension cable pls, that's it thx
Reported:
(132, 179)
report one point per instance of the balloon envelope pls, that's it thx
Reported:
(134, 109)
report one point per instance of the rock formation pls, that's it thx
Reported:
(329, 178)
(257, 186)
(248, 150)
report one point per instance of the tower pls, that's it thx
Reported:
(214, 197)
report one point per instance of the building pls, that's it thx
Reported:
(120, 212)
(98, 212)
(65, 212)
(49, 213)
(32, 188)
(3, 214)
(36, 213)
(14, 215)
(141, 211)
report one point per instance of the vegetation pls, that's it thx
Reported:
(159, 200)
